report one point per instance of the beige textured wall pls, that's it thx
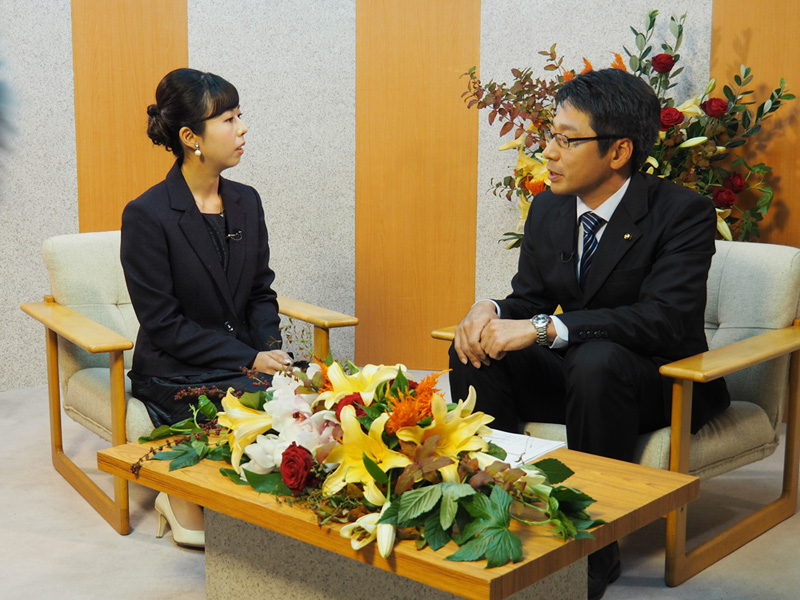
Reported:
(38, 189)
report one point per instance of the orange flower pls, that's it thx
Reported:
(326, 385)
(587, 66)
(618, 62)
(533, 186)
(568, 76)
(405, 413)
(424, 394)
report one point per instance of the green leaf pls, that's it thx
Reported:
(374, 470)
(554, 470)
(271, 483)
(640, 41)
(254, 400)
(158, 433)
(436, 535)
(416, 502)
(451, 493)
(233, 476)
(207, 407)
(186, 459)
(497, 544)
(220, 452)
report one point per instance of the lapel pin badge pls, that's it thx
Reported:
(627, 237)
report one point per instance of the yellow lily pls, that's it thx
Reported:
(653, 164)
(722, 226)
(514, 143)
(350, 456)
(531, 167)
(690, 108)
(459, 430)
(245, 425)
(364, 382)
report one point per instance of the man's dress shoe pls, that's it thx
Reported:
(604, 569)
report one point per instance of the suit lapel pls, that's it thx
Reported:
(564, 234)
(619, 236)
(194, 228)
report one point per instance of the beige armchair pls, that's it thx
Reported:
(89, 315)
(754, 334)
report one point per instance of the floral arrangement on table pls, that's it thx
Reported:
(694, 146)
(385, 456)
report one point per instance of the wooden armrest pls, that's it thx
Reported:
(736, 356)
(77, 328)
(315, 315)
(444, 333)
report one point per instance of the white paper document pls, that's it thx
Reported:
(522, 448)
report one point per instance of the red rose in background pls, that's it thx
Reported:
(670, 117)
(663, 63)
(724, 198)
(354, 398)
(734, 182)
(714, 107)
(296, 463)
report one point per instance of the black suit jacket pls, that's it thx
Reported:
(194, 317)
(647, 286)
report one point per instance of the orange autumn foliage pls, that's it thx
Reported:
(587, 66)
(618, 62)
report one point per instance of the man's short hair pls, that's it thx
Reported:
(618, 104)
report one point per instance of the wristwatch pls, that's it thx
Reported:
(540, 322)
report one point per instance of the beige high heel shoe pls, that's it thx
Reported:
(181, 535)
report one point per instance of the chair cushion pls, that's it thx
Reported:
(86, 400)
(739, 436)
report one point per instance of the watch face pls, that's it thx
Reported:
(540, 320)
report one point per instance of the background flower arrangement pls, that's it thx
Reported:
(695, 143)
(385, 456)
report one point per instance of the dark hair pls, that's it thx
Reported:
(187, 98)
(618, 104)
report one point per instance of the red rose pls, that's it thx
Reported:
(670, 117)
(347, 401)
(663, 63)
(714, 107)
(296, 463)
(724, 198)
(734, 182)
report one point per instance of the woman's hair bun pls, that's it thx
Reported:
(153, 110)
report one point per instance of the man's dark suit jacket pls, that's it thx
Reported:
(647, 286)
(194, 317)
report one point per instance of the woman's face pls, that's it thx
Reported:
(222, 142)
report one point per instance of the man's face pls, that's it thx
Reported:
(579, 170)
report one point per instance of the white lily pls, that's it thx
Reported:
(690, 108)
(386, 535)
(722, 225)
(366, 529)
(695, 141)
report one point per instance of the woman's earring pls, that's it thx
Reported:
(197, 149)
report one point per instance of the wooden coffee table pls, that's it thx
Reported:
(260, 545)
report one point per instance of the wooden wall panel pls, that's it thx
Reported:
(763, 36)
(416, 176)
(121, 50)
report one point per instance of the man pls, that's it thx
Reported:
(626, 257)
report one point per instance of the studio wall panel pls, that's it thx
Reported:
(121, 50)
(416, 154)
(763, 36)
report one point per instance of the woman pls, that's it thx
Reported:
(196, 259)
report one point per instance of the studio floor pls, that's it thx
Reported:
(55, 546)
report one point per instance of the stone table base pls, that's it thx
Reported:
(245, 562)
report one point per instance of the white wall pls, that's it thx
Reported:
(38, 172)
(294, 66)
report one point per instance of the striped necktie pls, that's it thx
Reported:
(591, 223)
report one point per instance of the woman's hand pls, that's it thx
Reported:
(272, 361)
